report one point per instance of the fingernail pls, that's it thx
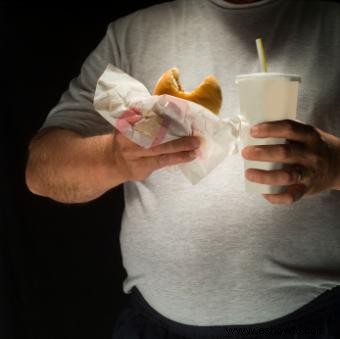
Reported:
(249, 175)
(254, 130)
(192, 155)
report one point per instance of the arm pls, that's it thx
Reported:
(70, 168)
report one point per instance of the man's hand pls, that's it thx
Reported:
(311, 160)
(70, 168)
(135, 163)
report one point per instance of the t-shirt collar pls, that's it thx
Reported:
(226, 4)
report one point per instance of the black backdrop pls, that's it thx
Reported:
(61, 272)
(60, 265)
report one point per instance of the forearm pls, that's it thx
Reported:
(69, 168)
(334, 144)
(337, 183)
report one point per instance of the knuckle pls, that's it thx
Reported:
(288, 176)
(155, 151)
(168, 147)
(182, 144)
(122, 146)
(312, 131)
(159, 148)
(188, 143)
(313, 134)
(314, 159)
(126, 154)
(162, 160)
(284, 151)
(182, 157)
(124, 150)
(290, 126)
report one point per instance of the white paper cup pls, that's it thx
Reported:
(266, 97)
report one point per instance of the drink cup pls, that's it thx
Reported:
(266, 97)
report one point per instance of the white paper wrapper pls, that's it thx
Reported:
(152, 120)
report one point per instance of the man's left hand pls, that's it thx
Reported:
(311, 159)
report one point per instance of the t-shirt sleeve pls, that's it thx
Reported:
(75, 110)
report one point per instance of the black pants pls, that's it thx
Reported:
(319, 319)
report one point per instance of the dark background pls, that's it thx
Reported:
(60, 265)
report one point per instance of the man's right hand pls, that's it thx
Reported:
(70, 168)
(136, 163)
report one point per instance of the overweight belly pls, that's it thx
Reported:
(226, 253)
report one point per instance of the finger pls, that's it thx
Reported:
(282, 177)
(124, 141)
(133, 150)
(292, 194)
(288, 129)
(289, 153)
(163, 160)
(183, 144)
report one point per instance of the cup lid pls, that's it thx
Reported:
(291, 77)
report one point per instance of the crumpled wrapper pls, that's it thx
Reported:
(150, 120)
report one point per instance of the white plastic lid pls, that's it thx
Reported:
(290, 77)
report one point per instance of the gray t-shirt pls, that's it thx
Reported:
(211, 254)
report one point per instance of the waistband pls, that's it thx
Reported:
(324, 304)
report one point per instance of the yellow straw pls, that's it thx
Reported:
(262, 55)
